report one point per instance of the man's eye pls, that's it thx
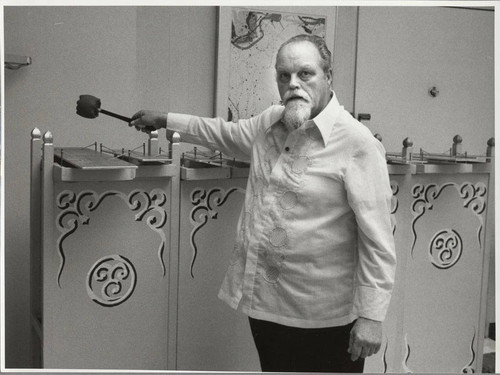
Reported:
(284, 77)
(305, 74)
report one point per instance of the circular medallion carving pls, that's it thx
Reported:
(111, 280)
(445, 249)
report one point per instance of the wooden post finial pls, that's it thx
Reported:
(36, 134)
(153, 144)
(176, 138)
(490, 150)
(48, 137)
(407, 151)
(457, 145)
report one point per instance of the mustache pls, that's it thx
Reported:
(295, 95)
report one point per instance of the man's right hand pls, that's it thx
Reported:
(148, 121)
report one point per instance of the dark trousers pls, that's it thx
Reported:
(289, 349)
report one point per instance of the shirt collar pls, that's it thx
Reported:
(325, 120)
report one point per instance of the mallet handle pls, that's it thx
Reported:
(119, 117)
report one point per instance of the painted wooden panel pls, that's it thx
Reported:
(211, 335)
(117, 271)
(433, 324)
(106, 282)
(444, 273)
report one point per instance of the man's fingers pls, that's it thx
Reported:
(373, 351)
(364, 352)
(137, 115)
(361, 348)
(365, 338)
(355, 350)
(136, 120)
(351, 341)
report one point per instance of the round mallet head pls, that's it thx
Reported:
(88, 106)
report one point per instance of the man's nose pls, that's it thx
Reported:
(294, 82)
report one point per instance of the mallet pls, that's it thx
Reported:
(89, 106)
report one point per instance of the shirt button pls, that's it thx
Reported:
(287, 148)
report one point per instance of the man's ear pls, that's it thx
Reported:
(329, 76)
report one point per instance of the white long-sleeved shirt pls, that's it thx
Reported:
(314, 245)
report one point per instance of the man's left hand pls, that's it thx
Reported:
(365, 338)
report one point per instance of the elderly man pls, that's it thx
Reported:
(314, 260)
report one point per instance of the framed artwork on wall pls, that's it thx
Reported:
(248, 40)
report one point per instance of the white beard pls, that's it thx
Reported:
(296, 113)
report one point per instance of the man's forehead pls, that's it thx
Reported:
(304, 52)
(299, 45)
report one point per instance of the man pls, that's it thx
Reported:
(314, 260)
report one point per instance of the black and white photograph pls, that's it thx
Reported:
(248, 187)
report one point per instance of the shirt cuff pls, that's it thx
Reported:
(371, 303)
(177, 122)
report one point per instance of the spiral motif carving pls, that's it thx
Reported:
(111, 280)
(445, 249)
(473, 196)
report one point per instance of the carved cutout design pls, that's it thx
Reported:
(445, 249)
(76, 209)
(472, 195)
(406, 369)
(469, 369)
(394, 202)
(466, 370)
(384, 358)
(111, 280)
(205, 204)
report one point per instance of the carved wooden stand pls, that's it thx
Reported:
(127, 260)
(104, 250)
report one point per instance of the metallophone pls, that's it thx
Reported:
(183, 205)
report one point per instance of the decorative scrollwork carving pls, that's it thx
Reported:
(406, 369)
(469, 369)
(111, 280)
(394, 202)
(76, 210)
(445, 249)
(384, 358)
(205, 204)
(473, 196)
